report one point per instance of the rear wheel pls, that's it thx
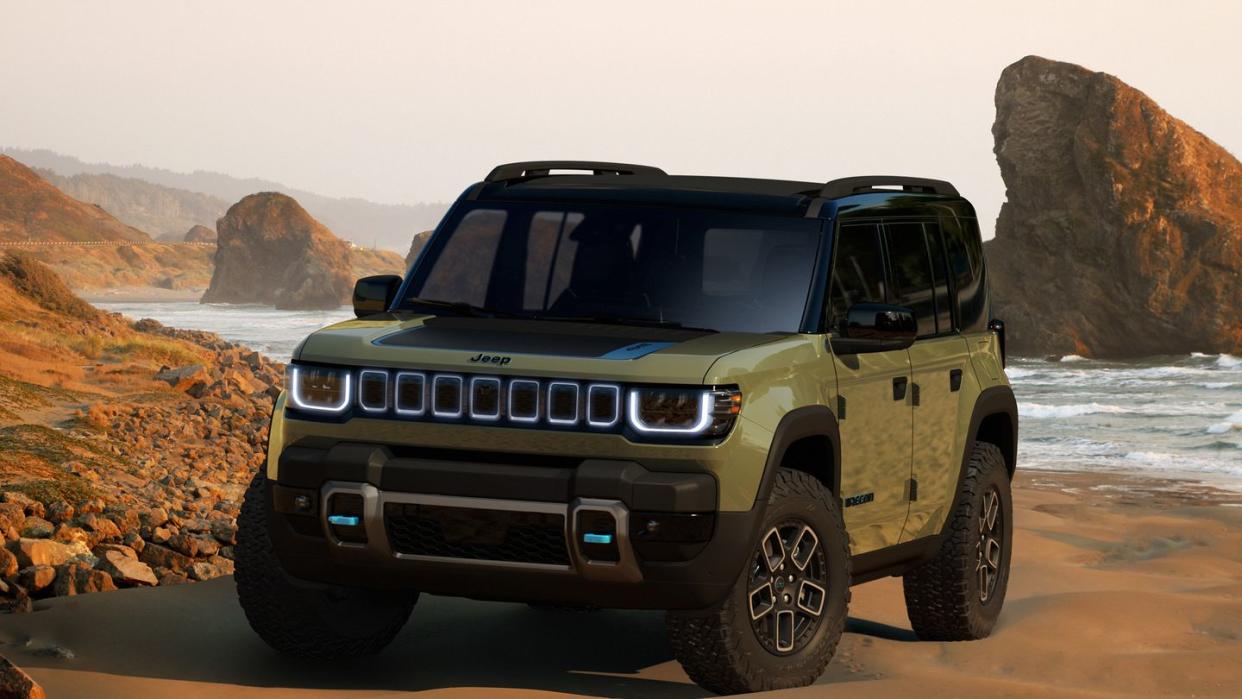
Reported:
(958, 595)
(780, 624)
(301, 618)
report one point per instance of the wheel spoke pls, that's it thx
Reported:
(804, 547)
(992, 553)
(762, 601)
(773, 550)
(993, 510)
(984, 583)
(784, 630)
(811, 598)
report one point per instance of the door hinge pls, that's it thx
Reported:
(840, 407)
(914, 394)
(914, 490)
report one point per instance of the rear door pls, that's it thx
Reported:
(873, 410)
(937, 359)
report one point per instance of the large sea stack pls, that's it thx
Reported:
(1122, 233)
(270, 251)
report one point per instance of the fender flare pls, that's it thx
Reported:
(807, 421)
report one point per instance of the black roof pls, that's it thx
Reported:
(619, 182)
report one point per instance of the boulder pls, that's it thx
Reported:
(271, 251)
(32, 552)
(126, 569)
(199, 234)
(12, 514)
(1121, 235)
(184, 378)
(36, 528)
(76, 578)
(16, 684)
(8, 563)
(158, 556)
(36, 578)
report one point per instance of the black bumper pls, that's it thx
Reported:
(489, 526)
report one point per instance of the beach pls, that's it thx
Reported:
(1121, 587)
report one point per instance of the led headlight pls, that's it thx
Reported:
(683, 411)
(319, 389)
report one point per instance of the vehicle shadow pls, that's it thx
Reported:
(198, 633)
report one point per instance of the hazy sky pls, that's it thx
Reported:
(408, 102)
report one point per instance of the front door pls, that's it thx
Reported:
(874, 411)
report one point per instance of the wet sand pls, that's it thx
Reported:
(1121, 588)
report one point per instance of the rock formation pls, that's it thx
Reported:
(1122, 233)
(271, 251)
(199, 234)
(33, 210)
(416, 246)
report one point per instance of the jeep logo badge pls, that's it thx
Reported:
(491, 359)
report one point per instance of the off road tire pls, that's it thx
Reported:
(951, 598)
(728, 651)
(304, 619)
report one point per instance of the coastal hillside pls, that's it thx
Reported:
(32, 209)
(165, 213)
(125, 446)
(365, 223)
(1122, 232)
(271, 251)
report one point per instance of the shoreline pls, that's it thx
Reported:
(138, 294)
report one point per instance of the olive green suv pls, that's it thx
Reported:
(600, 385)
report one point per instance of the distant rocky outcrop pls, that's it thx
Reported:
(1122, 233)
(164, 212)
(199, 234)
(33, 210)
(416, 246)
(271, 251)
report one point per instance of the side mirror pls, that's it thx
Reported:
(875, 327)
(375, 294)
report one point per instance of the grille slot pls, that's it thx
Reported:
(562, 403)
(446, 395)
(477, 534)
(411, 393)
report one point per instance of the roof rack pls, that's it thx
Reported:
(846, 186)
(541, 168)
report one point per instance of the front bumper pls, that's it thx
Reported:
(572, 532)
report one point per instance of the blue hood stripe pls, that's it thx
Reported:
(636, 350)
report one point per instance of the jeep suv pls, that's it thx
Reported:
(731, 399)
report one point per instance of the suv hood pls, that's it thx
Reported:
(525, 347)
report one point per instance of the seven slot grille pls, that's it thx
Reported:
(519, 401)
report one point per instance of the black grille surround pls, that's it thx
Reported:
(477, 534)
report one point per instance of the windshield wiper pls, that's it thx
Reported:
(460, 308)
(625, 320)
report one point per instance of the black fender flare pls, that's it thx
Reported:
(807, 421)
(997, 400)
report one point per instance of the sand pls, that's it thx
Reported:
(1120, 588)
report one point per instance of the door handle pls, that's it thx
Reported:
(899, 387)
(955, 380)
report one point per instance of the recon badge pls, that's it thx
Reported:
(861, 499)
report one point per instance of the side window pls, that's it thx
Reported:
(913, 282)
(965, 254)
(858, 273)
(472, 246)
(940, 278)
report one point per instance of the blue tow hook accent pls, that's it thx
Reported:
(344, 520)
(589, 538)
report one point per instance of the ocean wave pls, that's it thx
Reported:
(1233, 422)
(1228, 361)
(1038, 410)
(1074, 358)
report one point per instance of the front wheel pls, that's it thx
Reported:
(957, 596)
(305, 619)
(779, 626)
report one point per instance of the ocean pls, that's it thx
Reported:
(1170, 417)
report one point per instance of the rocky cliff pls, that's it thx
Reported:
(163, 212)
(125, 447)
(32, 210)
(417, 243)
(1122, 232)
(269, 250)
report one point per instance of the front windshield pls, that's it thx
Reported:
(687, 268)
